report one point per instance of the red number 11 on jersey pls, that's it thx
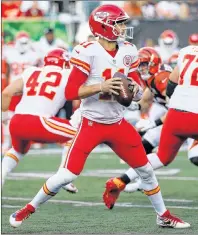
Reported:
(107, 74)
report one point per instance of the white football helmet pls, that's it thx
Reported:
(168, 39)
(22, 42)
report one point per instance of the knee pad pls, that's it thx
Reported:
(194, 160)
(147, 146)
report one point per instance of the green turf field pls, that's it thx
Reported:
(85, 212)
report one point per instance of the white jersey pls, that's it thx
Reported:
(19, 62)
(185, 96)
(44, 47)
(43, 91)
(99, 65)
(165, 53)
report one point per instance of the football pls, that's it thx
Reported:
(125, 96)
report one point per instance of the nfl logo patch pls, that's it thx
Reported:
(127, 60)
(90, 123)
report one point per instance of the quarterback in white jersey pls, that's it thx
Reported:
(102, 117)
(99, 65)
(43, 94)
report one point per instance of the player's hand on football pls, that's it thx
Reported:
(136, 90)
(111, 86)
(133, 87)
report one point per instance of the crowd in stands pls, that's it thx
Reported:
(149, 9)
(13, 9)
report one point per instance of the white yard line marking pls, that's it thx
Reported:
(164, 175)
(177, 200)
(10, 206)
(98, 149)
(178, 178)
(81, 203)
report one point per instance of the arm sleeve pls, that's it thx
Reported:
(170, 88)
(76, 79)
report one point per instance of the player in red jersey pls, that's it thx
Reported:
(102, 116)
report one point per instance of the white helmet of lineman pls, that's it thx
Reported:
(168, 39)
(22, 42)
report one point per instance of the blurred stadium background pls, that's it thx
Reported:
(49, 24)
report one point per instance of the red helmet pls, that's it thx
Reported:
(104, 20)
(58, 57)
(193, 39)
(168, 39)
(150, 62)
(172, 61)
